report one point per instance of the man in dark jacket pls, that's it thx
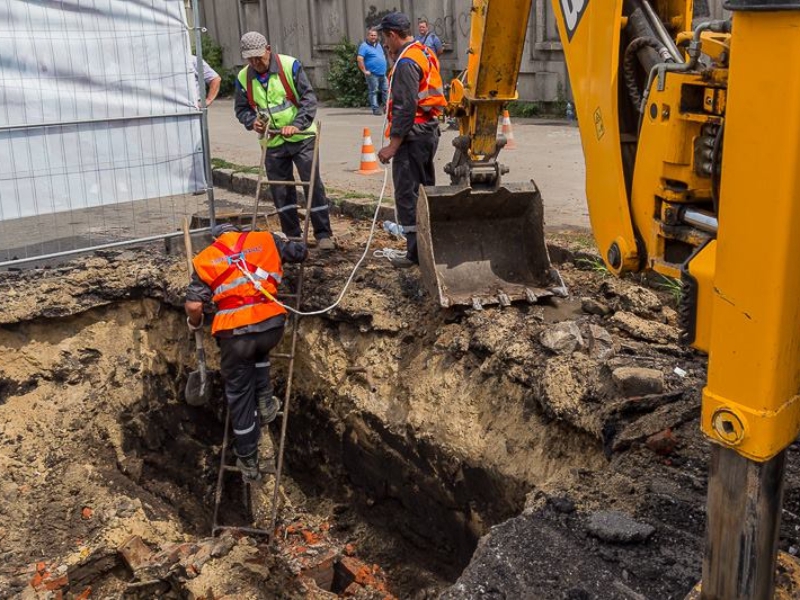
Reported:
(276, 86)
(416, 100)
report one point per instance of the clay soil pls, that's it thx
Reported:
(416, 437)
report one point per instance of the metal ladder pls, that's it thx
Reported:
(294, 319)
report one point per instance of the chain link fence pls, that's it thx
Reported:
(103, 129)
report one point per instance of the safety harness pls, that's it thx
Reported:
(237, 261)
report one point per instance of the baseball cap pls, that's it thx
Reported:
(395, 21)
(224, 228)
(253, 44)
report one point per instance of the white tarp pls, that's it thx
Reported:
(119, 75)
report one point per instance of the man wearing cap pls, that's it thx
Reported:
(277, 87)
(248, 325)
(416, 99)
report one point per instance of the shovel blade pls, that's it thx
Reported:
(198, 389)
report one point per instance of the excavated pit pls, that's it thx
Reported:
(415, 433)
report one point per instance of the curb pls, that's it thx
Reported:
(246, 183)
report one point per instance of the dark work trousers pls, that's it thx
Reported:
(279, 168)
(244, 364)
(412, 166)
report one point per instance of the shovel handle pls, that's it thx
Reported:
(187, 241)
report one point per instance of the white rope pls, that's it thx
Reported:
(390, 253)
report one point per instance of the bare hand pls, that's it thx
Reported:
(289, 131)
(259, 126)
(386, 154)
(367, 73)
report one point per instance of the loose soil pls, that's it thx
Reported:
(414, 433)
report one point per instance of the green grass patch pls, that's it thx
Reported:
(221, 163)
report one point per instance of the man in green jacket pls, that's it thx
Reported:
(277, 85)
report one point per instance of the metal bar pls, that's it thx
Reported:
(201, 84)
(281, 355)
(218, 493)
(661, 31)
(262, 173)
(193, 113)
(293, 350)
(744, 515)
(63, 253)
(702, 220)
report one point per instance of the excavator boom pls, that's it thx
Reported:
(470, 233)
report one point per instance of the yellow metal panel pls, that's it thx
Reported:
(591, 42)
(751, 402)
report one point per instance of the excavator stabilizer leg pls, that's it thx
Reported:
(478, 248)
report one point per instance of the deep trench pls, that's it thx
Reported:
(407, 510)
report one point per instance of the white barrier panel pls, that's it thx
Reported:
(98, 105)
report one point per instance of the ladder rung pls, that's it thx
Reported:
(231, 469)
(285, 355)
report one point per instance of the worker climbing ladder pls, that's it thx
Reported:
(297, 297)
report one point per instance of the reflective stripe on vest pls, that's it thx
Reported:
(239, 303)
(273, 95)
(430, 97)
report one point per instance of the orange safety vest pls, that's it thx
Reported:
(430, 97)
(220, 266)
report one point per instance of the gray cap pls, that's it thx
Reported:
(253, 45)
(395, 21)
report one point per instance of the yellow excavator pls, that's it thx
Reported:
(691, 136)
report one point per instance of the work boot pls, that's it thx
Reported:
(248, 465)
(401, 262)
(268, 407)
(326, 244)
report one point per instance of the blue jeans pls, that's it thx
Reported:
(375, 84)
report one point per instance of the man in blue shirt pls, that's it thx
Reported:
(429, 38)
(372, 62)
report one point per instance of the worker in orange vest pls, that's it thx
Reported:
(247, 324)
(416, 99)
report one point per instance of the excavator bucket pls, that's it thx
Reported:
(479, 248)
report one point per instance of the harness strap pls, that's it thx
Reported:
(252, 75)
(238, 301)
(286, 86)
(237, 249)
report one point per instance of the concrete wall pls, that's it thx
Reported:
(309, 30)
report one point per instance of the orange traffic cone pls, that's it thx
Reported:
(508, 132)
(369, 161)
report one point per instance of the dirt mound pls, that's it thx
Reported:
(414, 431)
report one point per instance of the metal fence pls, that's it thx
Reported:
(103, 128)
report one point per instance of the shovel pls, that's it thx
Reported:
(198, 387)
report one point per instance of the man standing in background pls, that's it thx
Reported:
(212, 79)
(417, 99)
(372, 63)
(428, 38)
(278, 85)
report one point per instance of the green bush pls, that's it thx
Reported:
(520, 108)
(212, 54)
(345, 78)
